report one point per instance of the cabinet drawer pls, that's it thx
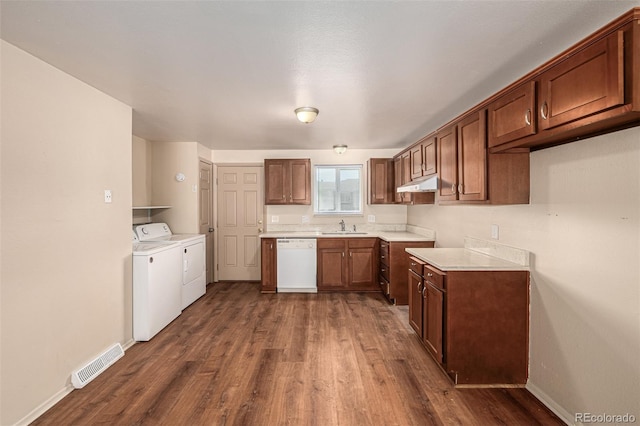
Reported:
(385, 271)
(331, 243)
(434, 276)
(384, 286)
(362, 242)
(415, 265)
(384, 250)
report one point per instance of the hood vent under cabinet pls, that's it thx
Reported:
(429, 184)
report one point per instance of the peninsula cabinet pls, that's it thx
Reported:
(475, 324)
(394, 262)
(469, 174)
(347, 264)
(380, 181)
(591, 88)
(287, 181)
(268, 265)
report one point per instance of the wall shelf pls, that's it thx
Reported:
(151, 207)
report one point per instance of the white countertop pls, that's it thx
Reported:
(389, 236)
(462, 259)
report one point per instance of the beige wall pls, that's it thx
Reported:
(141, 171)
(66, 255)
(168, 159)
(582, 228)
(292, 215)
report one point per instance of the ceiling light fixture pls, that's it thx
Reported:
(340, 149)
(306, 114)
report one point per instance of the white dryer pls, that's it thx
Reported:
(194, 266)
(157, 282)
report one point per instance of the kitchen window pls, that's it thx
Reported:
(338, 190)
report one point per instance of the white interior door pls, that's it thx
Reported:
(206, 213)
(240, 208)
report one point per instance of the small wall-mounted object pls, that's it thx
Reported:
(180, 177)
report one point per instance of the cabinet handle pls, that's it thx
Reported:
(271, 246)
(453, 188)
(429, 274)
(382, 257)
(420, 287)
(424, 294)
(342, 254)
(460, 188)
(413, 264)
(527, 117)
(350, 254)
(544, 110)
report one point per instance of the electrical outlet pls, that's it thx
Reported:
(275, 219)
(495, 232)
(305, 219)
(371, 218)
(107, 196)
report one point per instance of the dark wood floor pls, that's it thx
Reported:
(238, 357)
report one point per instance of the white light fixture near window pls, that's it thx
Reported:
(339, 149)
(306, 114)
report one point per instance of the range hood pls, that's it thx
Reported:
(429, 184)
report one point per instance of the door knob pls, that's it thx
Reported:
(210, 229)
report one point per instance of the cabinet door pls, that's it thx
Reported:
(362, 268)
(381, 181)
(429, 160)
(332, 271)
(472, 158)
(448, 164)
(415, 302)
(300, 181)
(586, 83)
(269, 263)
(275, 182)
(415, 154)
(397, 172)
(433, 320)
(513, 115)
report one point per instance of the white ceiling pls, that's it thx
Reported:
(229, 74)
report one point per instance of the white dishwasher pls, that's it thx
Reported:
(297, 265)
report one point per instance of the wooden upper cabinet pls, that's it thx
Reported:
(429, 157)
(423, 158)
(448, 164)
(586, 83)
(513, 116)
(287, 181)
(415, 153)
(397, 179)
(472, 158)
(381, 181)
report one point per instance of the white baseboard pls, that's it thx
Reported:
(42, 408)
(564, 415)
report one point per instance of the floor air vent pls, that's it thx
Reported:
(81, 377)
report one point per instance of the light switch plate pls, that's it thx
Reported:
(495, 232)
(371, 218)
(275, 219)
(305, 219)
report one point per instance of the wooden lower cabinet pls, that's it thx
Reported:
(394, 261)
(475, 324)
(347, 264)
(415, 288)
(268, 265)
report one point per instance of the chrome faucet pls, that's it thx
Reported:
(342, 225)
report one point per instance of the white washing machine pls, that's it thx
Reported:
(157, 282)
(194, 266)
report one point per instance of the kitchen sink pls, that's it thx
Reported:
(344, 233)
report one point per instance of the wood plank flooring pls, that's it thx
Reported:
(238, 357)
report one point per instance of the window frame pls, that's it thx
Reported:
(316, 188)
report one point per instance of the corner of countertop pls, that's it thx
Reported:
(501, 251)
